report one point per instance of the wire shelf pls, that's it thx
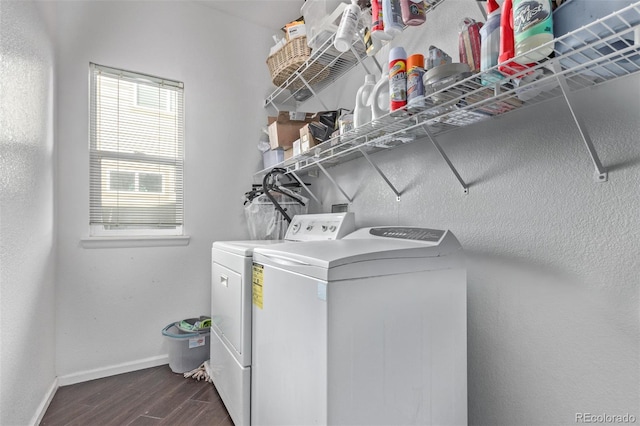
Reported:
(604, 50)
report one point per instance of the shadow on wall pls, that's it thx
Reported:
(536, 339)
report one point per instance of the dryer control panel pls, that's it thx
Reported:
(407, 233)
(319, 227)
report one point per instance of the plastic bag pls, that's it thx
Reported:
(265, 222)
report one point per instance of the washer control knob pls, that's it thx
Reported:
(324, 228)
(295, 228)
(309, 228)
(332, 228)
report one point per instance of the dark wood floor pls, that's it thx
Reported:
(154, 396)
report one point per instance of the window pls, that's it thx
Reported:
(136, 154)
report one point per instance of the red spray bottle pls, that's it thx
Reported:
(507, 48)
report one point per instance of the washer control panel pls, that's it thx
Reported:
(323, 226)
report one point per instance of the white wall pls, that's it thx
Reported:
(113, 303)
(27, 233)
(553, 272)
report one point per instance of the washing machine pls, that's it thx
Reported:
(366, 330)
(231, 295)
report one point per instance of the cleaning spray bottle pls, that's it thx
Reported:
(362, 111)
(348, 26)
(490, 44)
(397, 78)
(507, 49)
(415, 85)
(377, 21)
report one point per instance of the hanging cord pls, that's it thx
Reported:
(270, 183)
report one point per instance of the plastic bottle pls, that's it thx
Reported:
(377, 21)
(490, 44)
(392, 17)
(413, 12)
(362, 111)
(379, 99)
(469, 43)
(507, 49)
(397, 78)
(415, 85)
(348, 26)
(532, 27)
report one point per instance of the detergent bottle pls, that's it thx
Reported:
(362, 112)
(532, 27)
(413, 12)
(379, 99)
(490, 44)
(392, 17)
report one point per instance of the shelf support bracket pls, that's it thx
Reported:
(326, 173)
(465, 187)
(313, 92)
(304, 186)
(601, 174)
(382, 175)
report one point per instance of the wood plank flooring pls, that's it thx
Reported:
(154, 396)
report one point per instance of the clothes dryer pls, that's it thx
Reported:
(230, 357)
(368, 330)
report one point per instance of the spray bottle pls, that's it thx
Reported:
(377, 21)
(397, 78)
(415, 85)
(507, 49)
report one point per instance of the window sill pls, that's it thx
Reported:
(141, 241)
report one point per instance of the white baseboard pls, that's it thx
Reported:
(42, 408)
(126, 367)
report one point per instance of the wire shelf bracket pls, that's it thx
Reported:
(302, 184)
(601, 174)
(465, 187)
(381, 173)
(326, 173)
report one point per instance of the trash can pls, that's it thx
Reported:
(186, 350)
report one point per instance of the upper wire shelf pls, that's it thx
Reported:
(604, 50)
(309, 79)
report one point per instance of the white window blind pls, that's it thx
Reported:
(136, 154)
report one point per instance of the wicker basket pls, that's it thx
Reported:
(290, 58)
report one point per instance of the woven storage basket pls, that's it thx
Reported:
(292, 56)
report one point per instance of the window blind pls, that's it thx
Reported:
(136, 153)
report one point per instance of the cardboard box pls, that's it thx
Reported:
(283, 130)
(288, 154)
(312, 134)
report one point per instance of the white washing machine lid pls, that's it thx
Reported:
(243, 248)
(362, 254)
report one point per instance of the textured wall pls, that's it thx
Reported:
(27, 242)
(553, 272)
(113, 303)
(553, 275)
